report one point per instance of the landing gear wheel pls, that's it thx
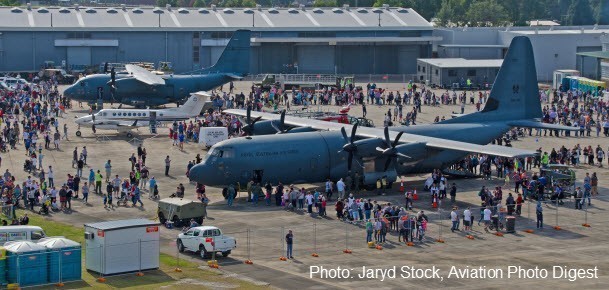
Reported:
(78, 133)
(129, 135)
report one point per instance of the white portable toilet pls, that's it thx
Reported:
(122, 246)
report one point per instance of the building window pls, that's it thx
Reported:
(471, 72)
(452, 73)
(78, 35)
(221, 34)
(436, 71)
(317, 34)
(196, 53)
(418, 68)
(196, 35)
(423, 69)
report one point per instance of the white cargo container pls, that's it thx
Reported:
(122, 246)
(212, 135)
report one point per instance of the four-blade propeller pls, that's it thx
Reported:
(391, 152)
(281, 128)
(349, 146)
(248, 128)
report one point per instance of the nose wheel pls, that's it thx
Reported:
(129, 135)
(78, 133)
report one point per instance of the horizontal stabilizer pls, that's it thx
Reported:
(539, 125)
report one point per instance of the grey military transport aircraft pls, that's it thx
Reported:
(137, 86)
(328, 152)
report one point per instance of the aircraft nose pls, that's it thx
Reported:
(69, 92)
(199, 173)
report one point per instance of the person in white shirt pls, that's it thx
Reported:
(340, 186)
(454, 218)
(487, 218)
(467, 219)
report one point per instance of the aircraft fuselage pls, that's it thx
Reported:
(313, 157)
(130, 91)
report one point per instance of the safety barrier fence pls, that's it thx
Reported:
(322, 237)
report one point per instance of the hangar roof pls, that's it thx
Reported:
(462, 62)
(149, 18)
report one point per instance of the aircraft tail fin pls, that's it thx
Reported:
(195, 103)
(235, 59)
(515, 93)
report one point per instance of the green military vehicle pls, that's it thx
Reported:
(180, 211)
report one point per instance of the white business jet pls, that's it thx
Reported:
(125, 120)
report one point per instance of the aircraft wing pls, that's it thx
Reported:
(365, 132)
(539, 125)
(143, 75)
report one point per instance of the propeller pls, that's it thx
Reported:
(248, 128)
(349, 146)
(112, 83)
(391, 152)
(281, 128)
(106, 67)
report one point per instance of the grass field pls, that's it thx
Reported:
(191, 276)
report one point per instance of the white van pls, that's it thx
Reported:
(20, 233)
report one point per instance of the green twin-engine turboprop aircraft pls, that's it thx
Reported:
(137, 86)
(294, 156)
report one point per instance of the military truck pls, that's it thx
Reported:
(180, 211)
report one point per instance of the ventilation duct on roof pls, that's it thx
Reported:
(158, 10)
(29, 6)
(90, 11)
(248, 11)
(228, 11)
(346, 7)
(362, 10)
(183, 11)
(111, 11)
(293, 10)
(123, 7)
(137, 11)
(337, 10)
(16, 10)
(42, 10)
(377, 10)
(64, 10)
(203, 11)
(259, 7)
(386, 6)
(302, 7)
(213, 7)
(273, 10)
(317, 10)
(402, 10)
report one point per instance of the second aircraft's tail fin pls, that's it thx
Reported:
(195, 103)
(235, 59)
(515, 94)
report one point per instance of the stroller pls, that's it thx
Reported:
(124, 199)
(44, 208)
(155, 193)
(28, 165)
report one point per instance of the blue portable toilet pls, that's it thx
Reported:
(65, 259)
(27, 263)
(566, 84)
(3, 281)
(574, 83)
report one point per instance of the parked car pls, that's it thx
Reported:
(206, 240)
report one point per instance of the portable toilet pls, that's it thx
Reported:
(27, 263)
(2, 266)
(574, 85)
(65, 259)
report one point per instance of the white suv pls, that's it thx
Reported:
(206, 240)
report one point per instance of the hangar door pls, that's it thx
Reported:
(407, 59)
(315, 59)
(216, 52)
(79, 56)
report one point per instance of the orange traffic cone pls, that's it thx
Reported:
(415, 196)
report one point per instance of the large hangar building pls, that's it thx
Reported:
(343, 40)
